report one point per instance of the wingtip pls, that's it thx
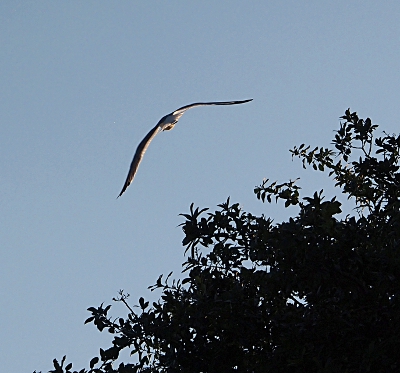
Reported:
(123, 189)
(122, 192)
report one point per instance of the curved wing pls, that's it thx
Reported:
(173, 117)
(182, 109)
(137, 158)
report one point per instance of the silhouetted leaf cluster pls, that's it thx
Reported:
(316, 293)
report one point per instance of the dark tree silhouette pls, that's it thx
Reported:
(316, 293)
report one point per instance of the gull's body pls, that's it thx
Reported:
(166, 123)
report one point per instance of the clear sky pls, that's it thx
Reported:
(82, 82)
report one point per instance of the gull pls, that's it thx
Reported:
(166, 123)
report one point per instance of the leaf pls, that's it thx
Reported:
(141, 302)
(56, 364)
(93, 362)
(102, 355)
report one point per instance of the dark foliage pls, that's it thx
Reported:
(313, 294)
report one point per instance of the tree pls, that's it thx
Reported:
(316, 293)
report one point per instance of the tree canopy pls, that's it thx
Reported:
(316, 293)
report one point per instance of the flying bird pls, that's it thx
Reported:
(166, 123)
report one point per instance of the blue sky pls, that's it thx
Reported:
(84, 81)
